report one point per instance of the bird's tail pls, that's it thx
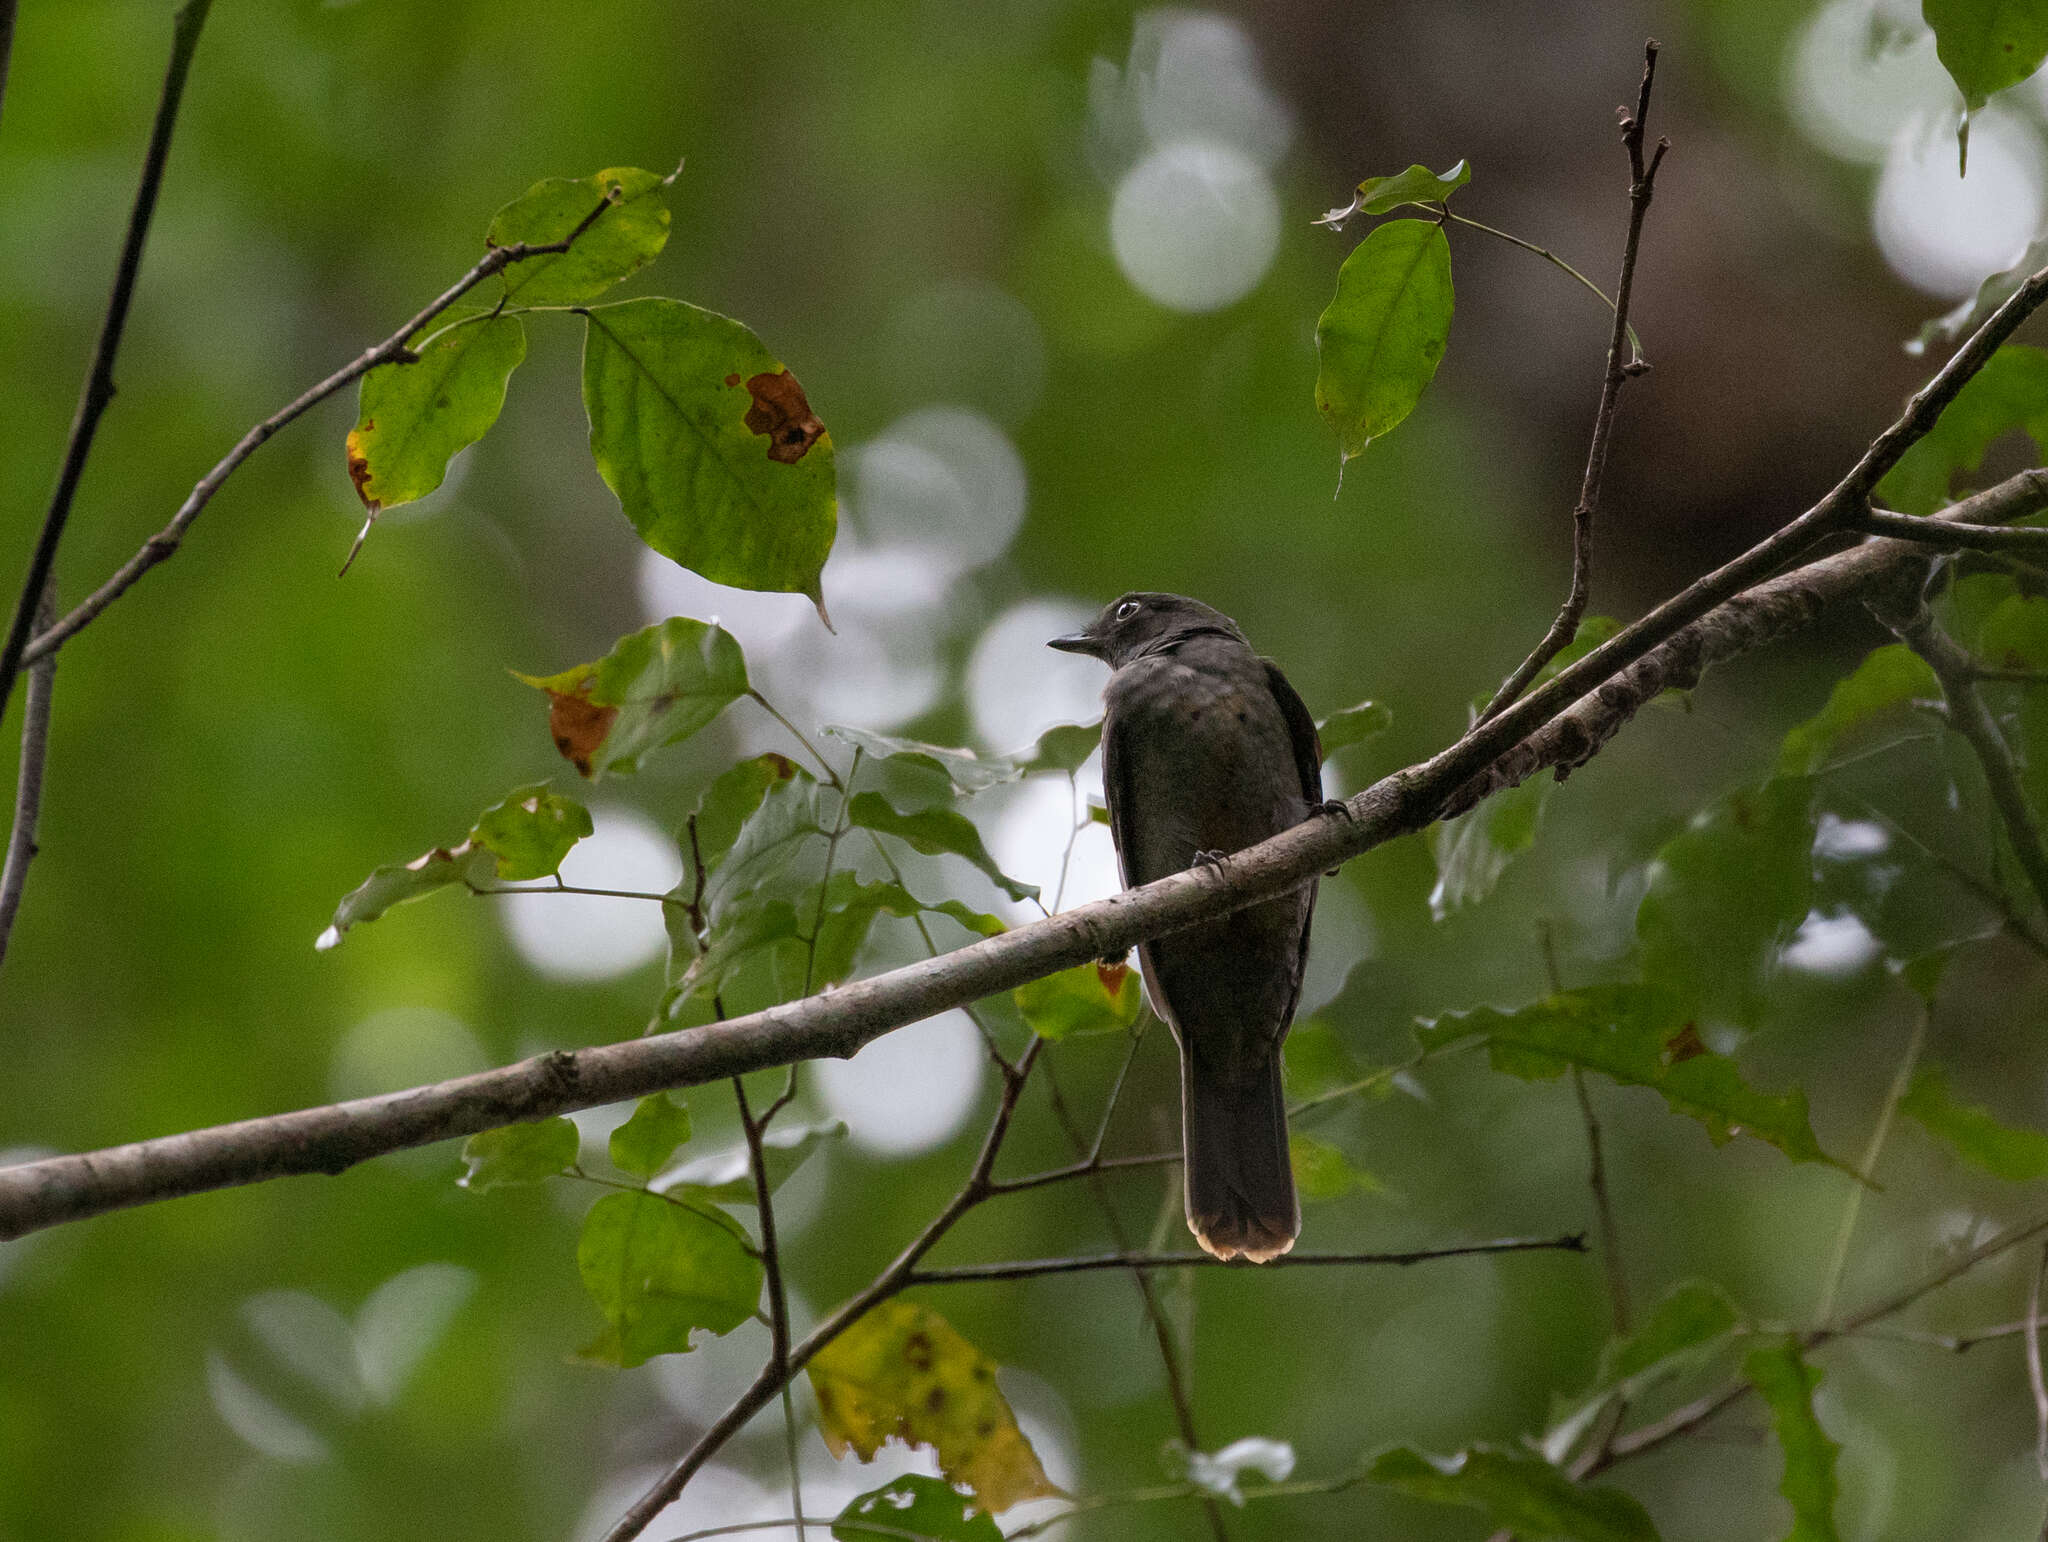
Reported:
(1240, 1186)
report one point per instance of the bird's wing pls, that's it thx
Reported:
(1301, 729)
(1119, 798)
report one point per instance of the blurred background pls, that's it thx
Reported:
(1046, 269)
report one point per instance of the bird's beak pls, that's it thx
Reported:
(1077, 642)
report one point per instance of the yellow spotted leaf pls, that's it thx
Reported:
(903, 1371)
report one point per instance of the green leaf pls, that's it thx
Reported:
(2015, 636)
(1693, 1321)
(930, 1509)
(1062, 747)
(531, 832)
(1089, 998)
(1354, 725)
(934, 831)
(655, 688)
(466, 863)
(727, 1177)
(1321, 1171)
(1725, 893)
(1786, 1383)
(762, 859)
(724, 807)
(1519, 1493)
(414, 417)
(1383, 195)
(642, 1146)
(2018, 1156)
(710, 445)
(1382, 337)
(519, 1153)
(1986, 45)
(659, 1270)
(963, 770)
(1317, 1061)
(1641, 1036)
(2010, 392)
(1474, 848)
(628, 235)
(1889, 680)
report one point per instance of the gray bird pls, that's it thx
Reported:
(1206, 750)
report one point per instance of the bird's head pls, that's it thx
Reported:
(1133, 625)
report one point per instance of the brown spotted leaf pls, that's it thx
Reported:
(415, 417)
(656, 687)
(710, 444)
(902, 1371)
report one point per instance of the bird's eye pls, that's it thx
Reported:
(1128, 609)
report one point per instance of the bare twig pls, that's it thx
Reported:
(1603, 1206)
(1635, 344)
(1953, 533)
(99, 379)
(2011, 676)
(1852, 1207)
(1660, 651)
(392, 350)
(884, 1285)
(778, 1297)
(1037, 1268)
(1967, 714)
(2035, 1381)
(1642, 183)
(28, 794)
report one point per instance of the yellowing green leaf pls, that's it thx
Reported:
(901, 1370)
(531, 832)
(629, 234)
(656, 687)
(1381, 338)
(710, 444)
(660, 1270)
(1786, 1383)
(414, 417)
(914, 1506)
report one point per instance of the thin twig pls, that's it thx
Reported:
(1967, 714)
(2015, 922)
(1852, 1207)
(1603, 1207)
(2011, 676)
(2035, 1381)
(28, 794)
(886, 1284)
(1037, 1268)
(778, 1298)
(1635, 344)
(1955, 533)
(392, 350)
(99, 379)
(1642, 184)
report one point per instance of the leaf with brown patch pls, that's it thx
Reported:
(1684, 1045)
(783, 413)
(656, 687)
(902, 1370)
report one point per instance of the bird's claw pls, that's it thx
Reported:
(1335, 807)
(1213, 859)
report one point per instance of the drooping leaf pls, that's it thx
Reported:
(1354, 725)
(1322, 1171)
(1641, 1036)
(629, 234)
(655, 688)
(2019, 1156)
(1694, 1320)
(659, 1271)
(1786, 1383)
(1383, 195)
(934, 831)
(414, 417)
(914, 1505)
(1089, 998)
(1062, 747)
(1888, 681)
(1986, 45)
(727, 1177)
(2010, 392)
(1951, 326)
(1216, 1473)
(1518, 1492)
(966, 771)
(725, 806)
(465, 863)
(1381, 338)
(710, 444)
(1725, 893)
(1474, 848)
(642, 1146)
(531, 832)
(851, 909)
(902, 1370)
(519, 1153)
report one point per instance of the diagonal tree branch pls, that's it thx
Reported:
(28, 794)
(1642, 184)
(99, 380)
(1954, 535)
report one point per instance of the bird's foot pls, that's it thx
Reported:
(1337, 808)
(1213, 859)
